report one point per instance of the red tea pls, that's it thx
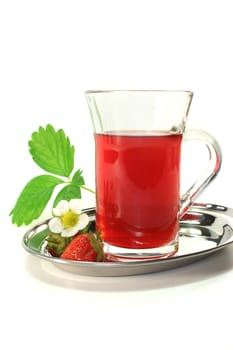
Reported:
(138, 188)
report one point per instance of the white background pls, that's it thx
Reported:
(50, 53)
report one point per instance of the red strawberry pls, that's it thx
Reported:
(84, 247)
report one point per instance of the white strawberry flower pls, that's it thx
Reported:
(68, 218)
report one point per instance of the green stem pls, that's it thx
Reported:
(87, 189)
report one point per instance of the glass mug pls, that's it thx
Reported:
(138, 138)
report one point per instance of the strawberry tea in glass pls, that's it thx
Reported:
(138, 139)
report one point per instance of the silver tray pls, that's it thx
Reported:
(205, 229)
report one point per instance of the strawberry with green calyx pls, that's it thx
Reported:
(85, 247)
(56, 244)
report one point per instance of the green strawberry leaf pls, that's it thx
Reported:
(52, 151)
(67, 193)
(33, 199)
(78, 178)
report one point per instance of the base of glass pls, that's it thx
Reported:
(115, 253)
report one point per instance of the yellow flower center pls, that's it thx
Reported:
(69, 219)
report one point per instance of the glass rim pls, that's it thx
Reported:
(94, 92)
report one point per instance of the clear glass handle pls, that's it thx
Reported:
(215, 161)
